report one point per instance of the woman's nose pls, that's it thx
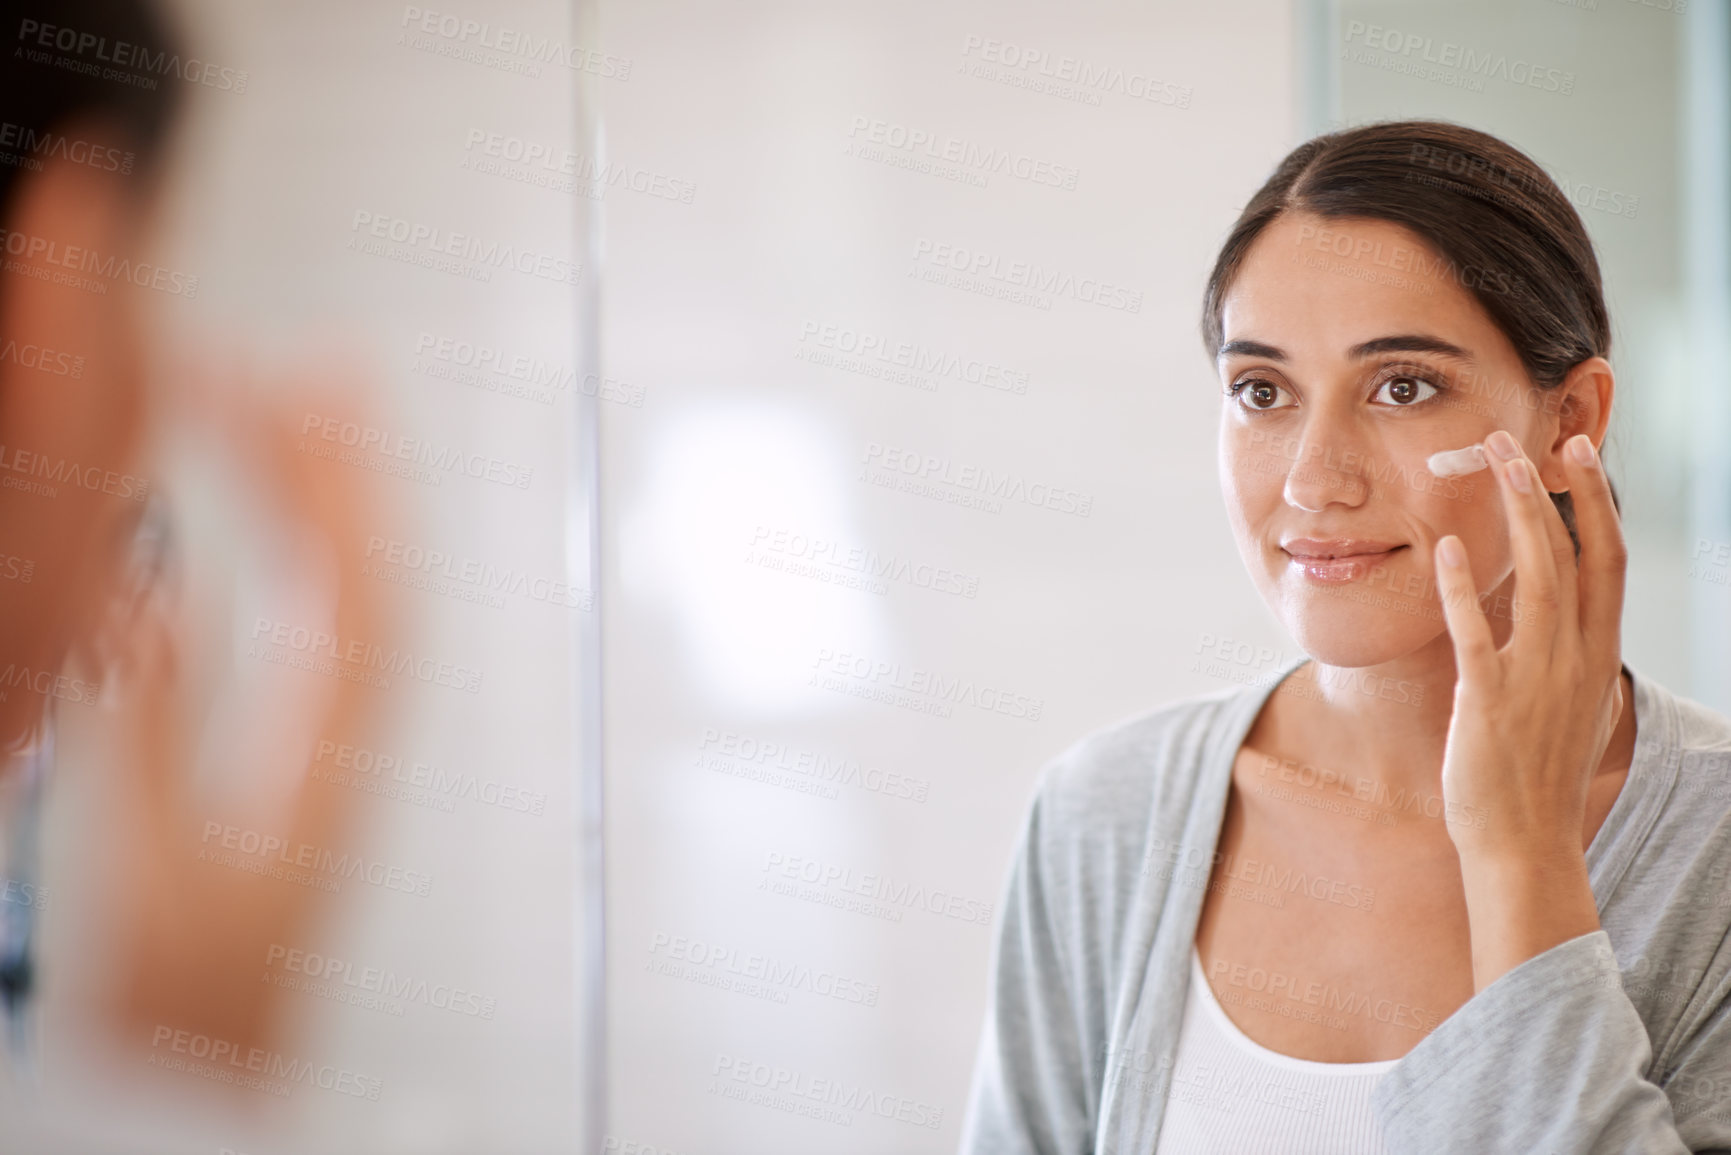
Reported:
(1326, 470)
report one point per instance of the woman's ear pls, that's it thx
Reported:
(1580, 404)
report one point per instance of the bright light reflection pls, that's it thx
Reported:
(718, 476)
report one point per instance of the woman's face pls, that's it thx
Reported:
(83, 432)
(1351, 355)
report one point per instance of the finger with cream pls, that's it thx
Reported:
(1456, 462)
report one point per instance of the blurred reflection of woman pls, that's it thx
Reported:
(85, 617)
(1457, 881)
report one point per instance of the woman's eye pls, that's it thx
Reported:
(1261, 395)
(1405, 391)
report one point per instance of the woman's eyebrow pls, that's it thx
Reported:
(1251, 349)
(1402, 343)
(1410, 343)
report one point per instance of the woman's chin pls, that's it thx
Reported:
(1337, 630)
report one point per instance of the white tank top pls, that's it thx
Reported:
(1232, 1096)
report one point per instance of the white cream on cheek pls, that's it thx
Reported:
(1457, 462)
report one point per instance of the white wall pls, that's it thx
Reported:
(718, 309)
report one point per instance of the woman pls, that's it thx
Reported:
(87, 612)
(1457, 882)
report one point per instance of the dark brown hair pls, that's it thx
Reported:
(1500, 224)
(44, 91)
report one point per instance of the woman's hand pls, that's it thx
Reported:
(191, 936)
(1532, 719)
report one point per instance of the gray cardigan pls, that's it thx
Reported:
(1619, 1040)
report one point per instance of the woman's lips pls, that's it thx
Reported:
(1338, 561)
